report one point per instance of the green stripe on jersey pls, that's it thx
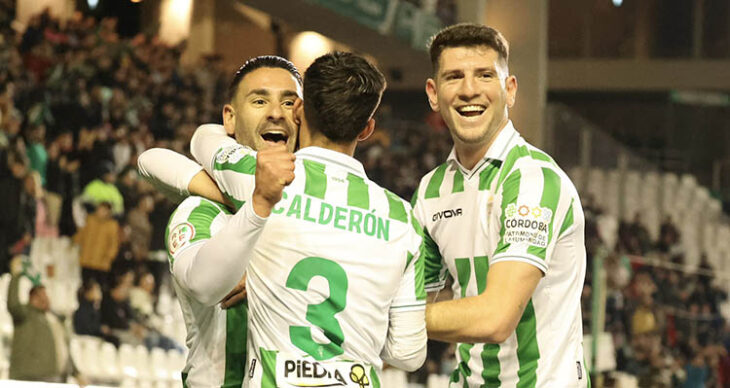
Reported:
(397, 208)
(550, 198)
(568, 221)
(201, 217)
(184, 379)
(236, 335)
(357, 192)
(490, 365)
(463, 274)
(434, 185)
(527, 348)
(481, 268)
(316, 180)
(420, 282)
(463, 367)
(458, 182)
(268, 363)
(510, 191)
(374, 380)
(246, 165)
(433, 262)
(414, 197)
(515, 153)
(488, 174)
(537, 155)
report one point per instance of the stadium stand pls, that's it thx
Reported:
(104, 99)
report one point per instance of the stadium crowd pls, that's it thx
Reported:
(79, 103)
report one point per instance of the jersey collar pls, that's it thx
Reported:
(326, 156)
(497, 151)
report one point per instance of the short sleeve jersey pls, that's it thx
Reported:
(216, 338)
(515, 205)
(337, 253)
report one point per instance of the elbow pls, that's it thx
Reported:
(414, 363)
(203, 294)
(494, 332)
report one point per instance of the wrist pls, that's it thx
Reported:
(261, 206)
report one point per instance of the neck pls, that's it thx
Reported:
(319, 140)
(470, 154)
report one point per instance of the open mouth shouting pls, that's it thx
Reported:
(275, 136)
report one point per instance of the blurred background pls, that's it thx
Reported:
(631, 97)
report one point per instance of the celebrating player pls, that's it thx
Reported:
(335, 281)
(261, 95)
(505, 222)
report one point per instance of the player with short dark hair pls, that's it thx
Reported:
(505, 222)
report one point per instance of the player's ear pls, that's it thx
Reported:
(510, 85)
(229, 119)
(298, 111)
(432, 94)
(369, 129)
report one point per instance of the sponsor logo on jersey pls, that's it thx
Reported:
(306, 372)
(225, 153)
(179, 237)
(232, 154)
(448, 213)
(528, 224)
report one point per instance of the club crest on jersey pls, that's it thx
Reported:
(306, 372)
(180, 236)
(527, 224)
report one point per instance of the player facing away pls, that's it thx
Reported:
(505, 222)
(335, 282)
(261, 98)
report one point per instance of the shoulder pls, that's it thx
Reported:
(235, 157)
(430, 184)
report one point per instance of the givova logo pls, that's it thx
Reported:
(448, 213)
(527, 224)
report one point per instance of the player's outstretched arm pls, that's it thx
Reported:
(177, 176)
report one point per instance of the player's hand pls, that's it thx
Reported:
(236, 296)
(274, 171)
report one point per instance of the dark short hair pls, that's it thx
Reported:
(467, 35)
(341, 92)
(258, 63)
(36, 288)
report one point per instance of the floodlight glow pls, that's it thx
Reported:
(92, 3)
(617, 3)
(308, 46)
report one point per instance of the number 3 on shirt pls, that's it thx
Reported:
(321, 315)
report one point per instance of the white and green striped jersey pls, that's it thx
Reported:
(515, 205)
(336, 255)
(216, 338)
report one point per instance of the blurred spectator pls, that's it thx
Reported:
(16, 224)
(117, 314)
(40, 344)
(36, 151)
(62, 183)
(104, 190)
(138, 220)
(98, 241)
(87, 318)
